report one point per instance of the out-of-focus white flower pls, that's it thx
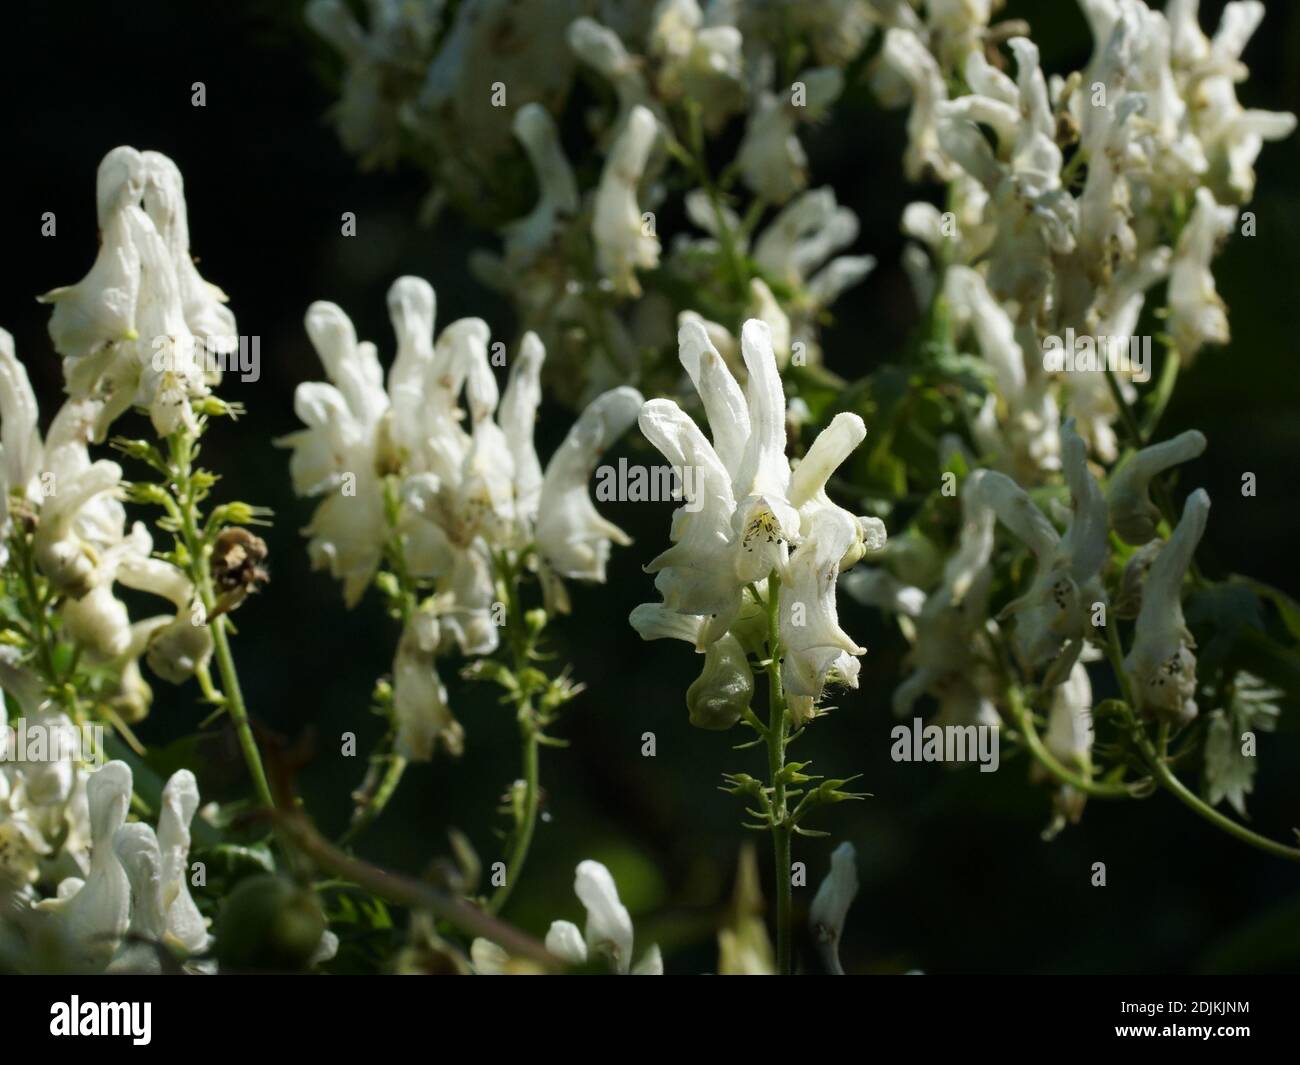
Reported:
(624, 242)
(1161, 661)
(1197, 314)
(1066, 584)
(772, 162)
(600, 47)
(1132, 514)
(830, 906)
(557, 197)
(701, 63)
(573, 540)
(419, 700)
(608, 934)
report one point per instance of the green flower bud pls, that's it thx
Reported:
(268, 924)
(721, 693)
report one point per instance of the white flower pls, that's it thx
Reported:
(163, 913)
(100, 309)
(573, 539)
(745, 509)
(1197, 314)
(93, 915)
(1066, 583)
(608, 934)
(772, 162)
(1132, 514)
(830, 906)
(1161, 662)
(419, 700)
(336, 454)
(815, 646)
(720, 695)
(906, 60)
(600, 47)
(128, 330)
(624, 244)
(701, 63)
(557, 190)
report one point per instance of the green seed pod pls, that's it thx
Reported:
(721, 693)
(268, 923)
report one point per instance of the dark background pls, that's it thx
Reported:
(954, 875)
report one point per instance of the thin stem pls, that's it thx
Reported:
(726, 240)
(200, 554)
(527, 824)
(777, 738)
(377, 799)
(1162, 772)
(1025, 722)
(529, 735)
(375, 803)
(1195, 803)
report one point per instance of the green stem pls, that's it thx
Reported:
(200, 554)
(529, 735)
(777, 738)
(527, 824)
(1197, 805)
(1025, 723)
(1159, 765)
(726, 240)
(377, 800)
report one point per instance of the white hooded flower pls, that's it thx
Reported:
(1197, 314)
(128, 330)
(771, 159)
(163, 913)
(573, 540)
(830, 906)
(1066, 583)
(608, 933)
(623, 241)
(1161, 661)
(419, 699)
(1132, 514)
(93, 915)
(336, 455)
(815, 646)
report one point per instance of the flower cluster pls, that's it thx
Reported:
(1069, 200)
(1071, 203)
(751, 517)
(433, 470)
(586, 262)
(84, 890)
